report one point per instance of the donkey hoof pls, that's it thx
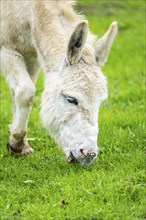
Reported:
(14, 151)
(27, 150)
(19, 151)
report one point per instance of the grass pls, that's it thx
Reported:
(42, 185)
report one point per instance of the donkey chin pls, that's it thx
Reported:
(83, 152)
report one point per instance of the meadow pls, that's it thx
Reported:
(42, 185)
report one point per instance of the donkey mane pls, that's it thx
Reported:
(64, 24)
(71, 18)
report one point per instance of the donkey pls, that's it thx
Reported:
(50, 35)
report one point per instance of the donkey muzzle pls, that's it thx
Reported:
(84, 156)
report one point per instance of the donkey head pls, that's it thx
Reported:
(71, 101)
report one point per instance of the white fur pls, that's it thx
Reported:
(50, 35)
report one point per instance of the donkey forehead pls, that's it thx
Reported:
(84, 79)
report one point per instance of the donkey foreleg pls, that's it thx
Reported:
(14, 69)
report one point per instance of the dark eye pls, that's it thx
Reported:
(72, 100)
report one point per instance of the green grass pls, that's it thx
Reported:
(113, 188)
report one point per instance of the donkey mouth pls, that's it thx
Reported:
(85, 160)
(71, 159)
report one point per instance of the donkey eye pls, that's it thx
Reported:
(72, 100)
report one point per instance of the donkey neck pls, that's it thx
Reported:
(54, 22)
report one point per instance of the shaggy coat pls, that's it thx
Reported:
(51, 36)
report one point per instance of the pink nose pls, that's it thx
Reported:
(87, 153)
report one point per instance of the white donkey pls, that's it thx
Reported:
(50, 35)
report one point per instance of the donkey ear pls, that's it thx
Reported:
(77, 42)
(104, 44)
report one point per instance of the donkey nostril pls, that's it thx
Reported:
(87, 153)
(82, 152)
